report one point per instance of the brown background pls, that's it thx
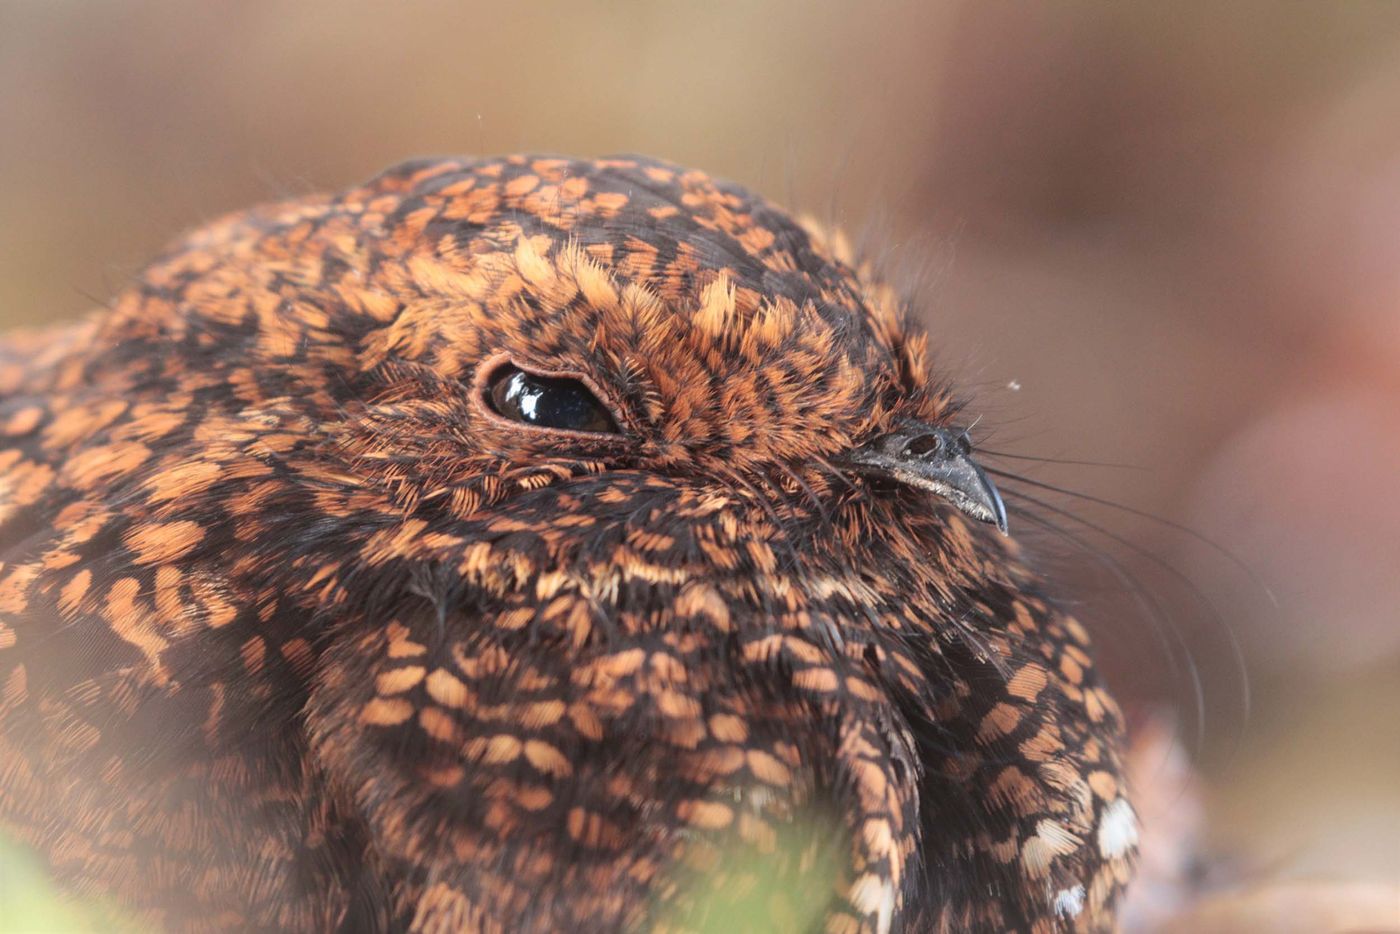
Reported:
(1176, 230)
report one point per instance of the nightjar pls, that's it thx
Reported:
(505, 545)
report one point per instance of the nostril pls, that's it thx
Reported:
(923, 445)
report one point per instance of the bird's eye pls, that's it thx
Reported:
(547, 401)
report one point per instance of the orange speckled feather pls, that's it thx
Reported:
(297, 634)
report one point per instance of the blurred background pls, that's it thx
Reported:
(1159, 236)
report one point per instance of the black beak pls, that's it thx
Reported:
(935, 459)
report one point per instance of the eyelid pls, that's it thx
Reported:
(493, 364)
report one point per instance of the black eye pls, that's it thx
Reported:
(547, 401)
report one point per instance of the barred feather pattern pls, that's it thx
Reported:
(296, 634)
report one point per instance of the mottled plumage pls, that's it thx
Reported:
(298, 632)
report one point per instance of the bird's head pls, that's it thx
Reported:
(577, 520)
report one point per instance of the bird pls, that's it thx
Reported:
(527, 544)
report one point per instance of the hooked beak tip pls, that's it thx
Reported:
(998, 509)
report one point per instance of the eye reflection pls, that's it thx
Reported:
(548, 402)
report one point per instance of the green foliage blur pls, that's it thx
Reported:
(1162, 235)
(29, 903)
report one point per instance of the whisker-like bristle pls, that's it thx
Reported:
(1058, 460)
(1168, 637)
(1212, 612)
(1210, 543)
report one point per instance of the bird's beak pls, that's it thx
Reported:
(935, 459)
